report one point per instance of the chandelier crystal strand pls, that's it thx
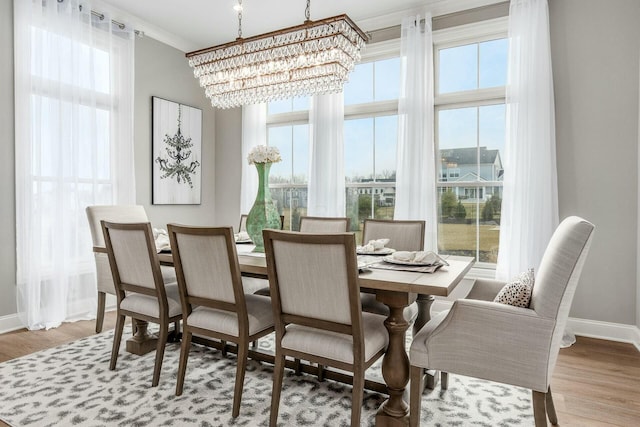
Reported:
(312, 58)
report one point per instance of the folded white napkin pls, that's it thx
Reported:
(374, 245)
(161, 237)
(423, 257)
(243, 235)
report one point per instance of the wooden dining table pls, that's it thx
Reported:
(397, 290)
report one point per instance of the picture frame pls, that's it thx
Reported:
(176, 153)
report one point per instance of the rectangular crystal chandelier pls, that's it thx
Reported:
(312, 58)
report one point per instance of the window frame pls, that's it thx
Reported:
(459, 36)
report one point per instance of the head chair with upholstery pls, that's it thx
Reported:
(316, 303)
(512, 345)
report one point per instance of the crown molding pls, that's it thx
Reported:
(435, 7)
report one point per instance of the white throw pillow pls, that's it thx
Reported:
(518, 291)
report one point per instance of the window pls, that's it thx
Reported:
(370, 140)
(288, 129)
(470, 124)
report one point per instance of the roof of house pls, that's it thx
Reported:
(468, 155)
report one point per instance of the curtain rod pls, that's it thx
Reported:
(101, 17)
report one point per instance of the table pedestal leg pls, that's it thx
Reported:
(395, 363)
(142, 341)
(424, 302)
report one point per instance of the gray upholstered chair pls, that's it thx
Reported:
(140, 289)
(316, 303)
(499, 342)
(403, 236)
(318, 224)
(114, 213)
(209, 279)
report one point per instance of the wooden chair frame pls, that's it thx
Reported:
(158, 292)
(243, 339)
(283, 319)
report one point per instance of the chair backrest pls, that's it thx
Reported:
(402, 235)
(133, 259)
(558, 275)
(207, 268)
(112, 213)
(243, 222)
(317, 224)
(313, 280)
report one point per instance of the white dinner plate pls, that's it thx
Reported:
(381, 251)
(392, 260)
(244, 241)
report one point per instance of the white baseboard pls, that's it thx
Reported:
(582, 327)
(605, 330)
(10, 323)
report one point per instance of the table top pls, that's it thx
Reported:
(439, 283)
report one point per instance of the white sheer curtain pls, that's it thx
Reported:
(530, 199)
(326, 195)
(416, 194)
(74, 147)
(254, 132)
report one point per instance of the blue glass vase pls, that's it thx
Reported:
(263, 214)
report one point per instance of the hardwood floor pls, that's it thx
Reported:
(595, 383)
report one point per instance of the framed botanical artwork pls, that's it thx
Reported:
(177, 153)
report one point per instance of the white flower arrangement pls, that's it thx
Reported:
(264, 154)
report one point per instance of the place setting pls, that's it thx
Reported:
(375, 254)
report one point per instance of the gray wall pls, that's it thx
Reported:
(595, 52)
(7, 188)
(163, 71)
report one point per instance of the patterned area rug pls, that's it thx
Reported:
(71, 385)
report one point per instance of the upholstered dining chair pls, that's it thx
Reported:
(140, 289)
(504, 343)
(114, 213)
(321, 224)
(213, 300)
(316, 304)
(403, 236)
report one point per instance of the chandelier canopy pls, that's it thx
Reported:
(312, 58)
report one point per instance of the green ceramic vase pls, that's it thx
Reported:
(263, 214)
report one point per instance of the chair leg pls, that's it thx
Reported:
(134, 328)
(243, 353)
(296, 367)
(320, 372)
(444, 380)
(102, 297)
(224, 348)
(117, 337)
(415, 398)
(162, 342)
(254, 344)
(184, 356)
(539, 412)
(278, 372)
(551, 409)
(357, 393)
